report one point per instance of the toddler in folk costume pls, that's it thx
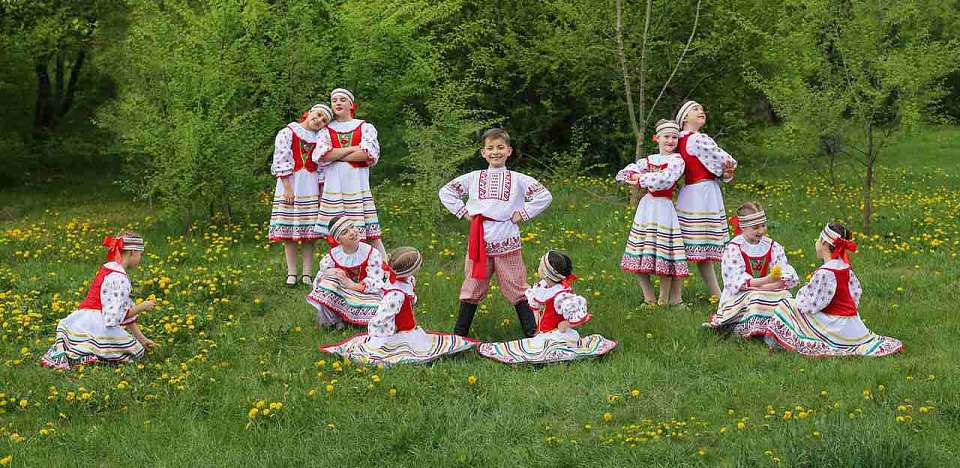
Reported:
(559, 311)
(825, 318)
(296, 199)
(346, 151)
(104, 328)
(655, 244)
(756, 275)
(498, 200)
(700, 211)
(393, 336)
(348, 283)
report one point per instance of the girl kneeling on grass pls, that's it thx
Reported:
(347, 286)
(393, 336)
(655, 244)
(104, 328)
(559, 310)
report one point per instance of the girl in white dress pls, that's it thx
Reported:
(655, 243)
(347, 149)
(348, 284)
(296, 199)
(700, 211)
(559, 311)
(104, 328)
(393, 336)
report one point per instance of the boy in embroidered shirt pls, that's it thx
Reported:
(497, 201)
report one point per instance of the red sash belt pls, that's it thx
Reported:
(476, 248)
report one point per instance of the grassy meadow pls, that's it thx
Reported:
(671, 394)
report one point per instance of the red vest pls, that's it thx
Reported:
(667, 193)
(404, 319)
(355, 273)
(348, 139)
(302, 152)
(757, 267)
(842, 303)
(92, 301)
(694, 171)
(550, 318)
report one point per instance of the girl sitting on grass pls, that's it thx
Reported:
(559, 310)
(104, 328)
(393, 336)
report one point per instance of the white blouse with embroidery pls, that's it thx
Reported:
(571, 306)
(652, 178)
(496, 193)
(708, 152)
(368, 141)
(115, 295)
(374, 280)
(817, 294)
(384, 322)
(282, 148)
(734, 270)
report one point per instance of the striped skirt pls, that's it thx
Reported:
(335, 303)
(548, 347)
(346, 192)
(407, 347)
(774, 316)
(83, 338)
(703, 221)
(655, 244)
(296, 221)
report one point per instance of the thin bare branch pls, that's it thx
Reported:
(686, 48)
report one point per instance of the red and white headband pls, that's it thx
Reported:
(551, 273)
(323, 109)
(839, 245)
(684, 109)
(752, 219)
(116, 245)
(340, 227)
(342, 92)
(667, 128)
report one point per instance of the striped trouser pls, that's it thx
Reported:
(511, 277)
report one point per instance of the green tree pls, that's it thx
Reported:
(851, 77)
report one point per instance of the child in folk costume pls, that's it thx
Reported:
(756, 274)
(655, 244)
(497, 201)
(700, 202)
(348, 283)
(393, 336)
(104, 328)
(824, 320)
(346, 151)
(296, 200)
(559, 310)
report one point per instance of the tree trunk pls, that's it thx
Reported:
(868, 181)
(628, 93)
(74, 79)
(42, 107)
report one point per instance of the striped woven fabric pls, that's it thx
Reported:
(412, 347)
(655, 248)
(544, 349)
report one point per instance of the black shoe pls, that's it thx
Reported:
(291, 284)
(527, 321)
(467, 311)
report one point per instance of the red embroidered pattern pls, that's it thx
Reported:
(495, 186)
(504, 246)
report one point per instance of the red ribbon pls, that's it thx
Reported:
(476, 248)
(114, 247)
(654, 137)
(840, 248)
(735, 222)
(566, 282)
(392, 275)
(330, 240)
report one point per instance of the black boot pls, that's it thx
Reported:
(467, 311)
(527, 321)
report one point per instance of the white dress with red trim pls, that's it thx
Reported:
(495, 194)
(292, 153)
(553, 304)
(824, 320)
(655, 244)
(94, 333)
(346, 187)
(700, 208)
(334, 302)
(393, 336)
(742, 263)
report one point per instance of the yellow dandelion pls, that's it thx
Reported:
(472, 379)
(607, 417)
(253, 413)
(392, 392)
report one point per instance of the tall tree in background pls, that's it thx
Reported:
(856, 73)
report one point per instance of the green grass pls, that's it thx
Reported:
(188, 403)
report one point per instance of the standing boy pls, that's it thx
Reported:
(497, 201)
